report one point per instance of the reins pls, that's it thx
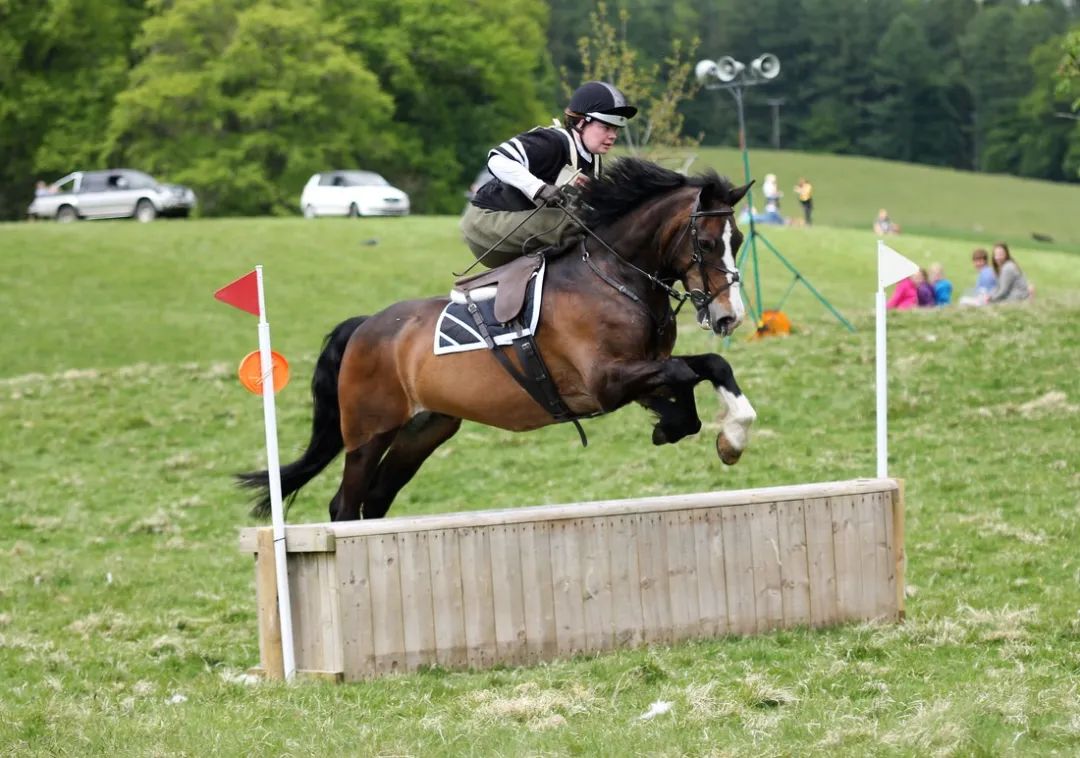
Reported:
(699, 298)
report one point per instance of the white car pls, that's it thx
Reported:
(352, 193)
(115, 193)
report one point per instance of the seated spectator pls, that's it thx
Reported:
(41, 188)
(985, 280)
(1011, 282)
(883, 225)
(924, 291)
(942, 286)
(905, 296)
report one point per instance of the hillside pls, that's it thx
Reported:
(849, 190)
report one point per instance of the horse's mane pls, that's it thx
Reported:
(629, 182)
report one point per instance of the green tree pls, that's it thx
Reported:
(463, 77)
(657, 90)
(244, 99)
(61, 63)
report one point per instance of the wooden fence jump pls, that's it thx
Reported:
(523, 585)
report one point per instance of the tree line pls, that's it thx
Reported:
(244, 99)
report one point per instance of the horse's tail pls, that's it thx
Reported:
(326, 440)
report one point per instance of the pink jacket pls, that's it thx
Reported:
(906, 295)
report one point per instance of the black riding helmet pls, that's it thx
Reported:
(600, 101)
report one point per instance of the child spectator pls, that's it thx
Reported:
(905, 296)
(883, 225)
(924, 291)
(942, 286)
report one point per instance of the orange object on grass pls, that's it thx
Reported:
(772, 324)
(250, 371)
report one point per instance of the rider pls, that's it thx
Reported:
(530, 170)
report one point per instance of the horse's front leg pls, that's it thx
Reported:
(677, 415)
(737, 414)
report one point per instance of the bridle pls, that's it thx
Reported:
(699, 298)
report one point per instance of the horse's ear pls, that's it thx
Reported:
(739, 193)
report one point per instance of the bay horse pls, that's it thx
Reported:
(606, 333)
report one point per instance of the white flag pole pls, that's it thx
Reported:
(882, 384)
(274, 474)
(892, 267)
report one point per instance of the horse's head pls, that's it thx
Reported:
(704, 255)
(681, 228)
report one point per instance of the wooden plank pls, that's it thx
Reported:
(445, 561)
(566, 545)
(768, 590)
(384, 569)
(417, 601)
(682, 575)
(822, 567)
(330, 617)
(541, 637)
(846, 557)
(304, 599)
(625, 581)
(599, 613)
(885, 591)
(655, 589)
(866, 509)
(476, 592)
(357, 616)
(266, 602)
(898, 548)
(794, 571)
(508, 594)
(605, 508)
(712, 585)
(299, 538)
(739, 570)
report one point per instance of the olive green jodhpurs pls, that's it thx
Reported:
(482, 228)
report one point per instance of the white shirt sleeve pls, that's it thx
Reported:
(514, 174)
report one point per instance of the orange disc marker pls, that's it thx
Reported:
(250, 371)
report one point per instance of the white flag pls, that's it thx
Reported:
(891, 266)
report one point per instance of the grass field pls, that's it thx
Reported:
(127, 612)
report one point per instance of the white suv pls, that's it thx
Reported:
(352, 193)
(116, 193)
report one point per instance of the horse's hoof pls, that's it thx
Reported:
(729, 454)
(658, 436)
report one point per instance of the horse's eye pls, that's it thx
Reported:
(707, 245)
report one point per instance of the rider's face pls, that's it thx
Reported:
(599, 137)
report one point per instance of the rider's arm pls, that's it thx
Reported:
(514, 174)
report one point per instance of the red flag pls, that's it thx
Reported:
(242, 294)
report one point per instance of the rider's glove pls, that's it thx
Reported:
(549, 194)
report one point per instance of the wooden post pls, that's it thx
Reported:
(273, 664)
(901, 554)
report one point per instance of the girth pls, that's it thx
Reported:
(533, 376)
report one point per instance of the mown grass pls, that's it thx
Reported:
(127, 613)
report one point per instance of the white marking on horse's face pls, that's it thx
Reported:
(738, 419)
(735, 308)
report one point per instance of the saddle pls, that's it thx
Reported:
(512, 280)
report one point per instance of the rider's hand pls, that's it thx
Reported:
(549, 194)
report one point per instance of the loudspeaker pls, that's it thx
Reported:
(766, 66)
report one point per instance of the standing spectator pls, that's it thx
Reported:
(942, 286)
(905, 296)
(883, 225)
(805, 192)
(772, 194)
(924, 291)
(1011, 283)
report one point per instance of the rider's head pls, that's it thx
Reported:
(597, 111)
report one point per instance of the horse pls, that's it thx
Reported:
(606, 333)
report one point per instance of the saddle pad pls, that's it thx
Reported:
(456, 332)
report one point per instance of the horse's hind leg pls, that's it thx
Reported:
(417, 440)
(360, 466)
